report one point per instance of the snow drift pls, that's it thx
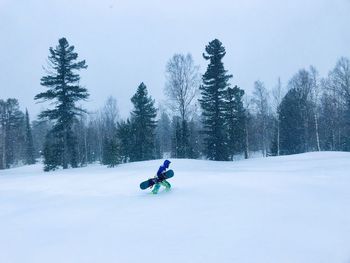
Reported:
(279, 209)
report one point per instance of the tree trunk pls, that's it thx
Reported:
(264, 135)
(317, 134)
(85, 145)
(278, 138)
(246, 151)
(65, 150)
(4, 148)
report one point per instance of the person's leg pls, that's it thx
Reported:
(166, 184)
(155, 188)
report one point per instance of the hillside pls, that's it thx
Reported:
(278, 209)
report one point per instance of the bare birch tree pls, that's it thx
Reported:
(182, 83)
(277, 94)
(260, 101)
(315, 91)
(339, 83)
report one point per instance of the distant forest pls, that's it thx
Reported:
(207, 116)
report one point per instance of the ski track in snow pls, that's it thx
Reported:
(281, 209)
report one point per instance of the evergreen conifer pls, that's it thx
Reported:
(64, 90)
(144, 124)
(213, 90)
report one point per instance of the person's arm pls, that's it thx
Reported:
(160, 171)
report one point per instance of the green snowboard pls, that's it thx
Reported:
(152, 181)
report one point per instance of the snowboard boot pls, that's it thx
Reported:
(156, 189)
(166, 184)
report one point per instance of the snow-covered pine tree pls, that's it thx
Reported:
(40, 129)
(110, 145)
(180, 140)
(291, 121)
(212, 101)
(110, 152)
(235, 120)
(163, 134)
(12, 123)
(2, 135)
(126, 138)
(64, 89)
(176, 137)
(295, 116)
(29, 147)
(93, 140)
(195, 138)
(80, 127)
(144, 123)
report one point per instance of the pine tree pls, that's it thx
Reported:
(185, 148)
(29, 147)
(81, 128)
(12, 122)
(195, 140)
(235, 120)
(181, 145)
(110, 152)
(176, 137)
(163, 135)
(215, 84)
(294, 122)
(110, 145)
(64, 89)
(52, 151)
(40, 128)
(274, 144)
(126, 139)
(93, 141)
(3, 146)
(143, 119)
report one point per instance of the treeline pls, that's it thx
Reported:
(205, 116)
(16, 140)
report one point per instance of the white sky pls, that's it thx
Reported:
(126, 42)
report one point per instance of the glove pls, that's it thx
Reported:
(161, 176)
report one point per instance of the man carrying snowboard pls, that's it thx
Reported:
(160, 175)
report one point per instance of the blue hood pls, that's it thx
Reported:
(166, 163)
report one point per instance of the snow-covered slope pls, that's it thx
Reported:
(280, 209)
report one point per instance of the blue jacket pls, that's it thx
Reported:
(163, 167)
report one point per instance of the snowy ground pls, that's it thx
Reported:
(281, 209)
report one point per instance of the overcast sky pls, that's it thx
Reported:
(125, 42)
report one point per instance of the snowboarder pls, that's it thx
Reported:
(160, 175)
